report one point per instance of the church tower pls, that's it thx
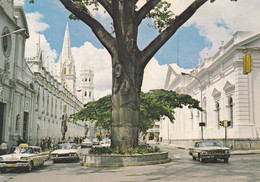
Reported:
(66, 73)
(87, 86)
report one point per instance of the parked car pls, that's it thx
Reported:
(95, 141)
(23, 157)
(65, 152)
(105, 143)
(86, 143)
(205, 150)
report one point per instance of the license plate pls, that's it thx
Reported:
(10, 165)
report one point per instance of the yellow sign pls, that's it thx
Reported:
(23, 145)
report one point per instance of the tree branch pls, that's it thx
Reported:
(107, 5)
(141, 14)
(163, 37)
(101, 33)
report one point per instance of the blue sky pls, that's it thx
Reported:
(57, 17)
(199, 37)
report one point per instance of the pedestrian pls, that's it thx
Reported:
(49, 143)
(4, 147)
(19, 141)
(43, 145)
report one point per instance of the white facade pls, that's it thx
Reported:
(227, 94)
(86, 91)
(32, 101)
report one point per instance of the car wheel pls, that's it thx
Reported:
(42, 163)
(30, 167)
(226, 160)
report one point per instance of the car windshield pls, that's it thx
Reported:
(86, 140)
(209, 144)
(23, 150)
(66, 146)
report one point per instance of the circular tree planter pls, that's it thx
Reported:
(112, 160)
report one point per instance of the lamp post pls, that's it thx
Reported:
(201, 124)
(13, 32)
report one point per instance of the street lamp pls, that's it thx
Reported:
(13, 32)
(201, 124)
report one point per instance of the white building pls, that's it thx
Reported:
(226, 93)
(86, 90)
(32, 100)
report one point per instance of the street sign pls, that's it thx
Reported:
(202, 124)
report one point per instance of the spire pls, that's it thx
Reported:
(66, 49)
(39, 45)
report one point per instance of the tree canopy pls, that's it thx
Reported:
(128, 60)
(154, 105)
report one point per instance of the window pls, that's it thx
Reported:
(85, 94)
(204, 110)
(218, 116)
(6, 42)
(231, 112)
(89, 94)
(64, 71)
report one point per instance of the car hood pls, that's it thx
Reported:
(14, 157)
(211, 148)
(64, 151)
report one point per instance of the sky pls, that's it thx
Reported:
(201, 36)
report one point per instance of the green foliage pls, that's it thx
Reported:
(153, 106)
(143, 149)
(161, 15)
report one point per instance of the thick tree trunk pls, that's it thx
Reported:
(127, 82)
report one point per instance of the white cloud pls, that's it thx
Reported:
(89, 57)
(35, 22)
(36, 25)
(154, 76)
(218, 21)
(19, 2)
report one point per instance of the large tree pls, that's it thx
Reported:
(153, 106)
(128, 61)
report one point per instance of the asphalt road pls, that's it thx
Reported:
(241, 168)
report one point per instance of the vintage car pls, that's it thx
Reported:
(65, 152)
(86, 143)
(95, 141)
(24, 157)
(205, 150)
(105, 142)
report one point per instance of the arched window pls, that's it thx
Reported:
(6, 42)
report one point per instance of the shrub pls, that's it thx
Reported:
(143, 149)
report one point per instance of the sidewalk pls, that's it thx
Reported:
(233, 152)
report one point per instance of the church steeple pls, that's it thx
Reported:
(66, 65)
(66, 48)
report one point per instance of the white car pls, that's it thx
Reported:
(24, 157)
(105, 143)
(206, 150)
(95, 141)
(86, 143)
(65, 152)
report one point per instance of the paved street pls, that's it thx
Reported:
(241, 168)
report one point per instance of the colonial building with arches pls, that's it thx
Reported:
(225, 92)
(34, 103)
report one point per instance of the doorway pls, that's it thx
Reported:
(25, 125)
(2, 109)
